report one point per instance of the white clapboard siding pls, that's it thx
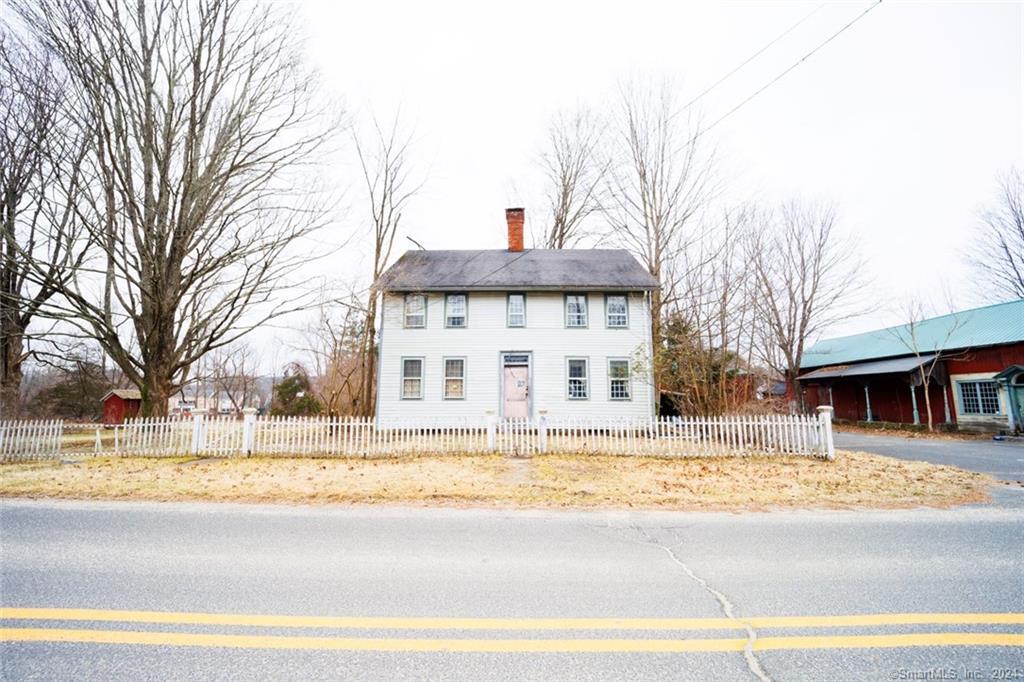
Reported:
(487, 335)
(30, 440)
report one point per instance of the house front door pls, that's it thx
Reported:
(517, 392)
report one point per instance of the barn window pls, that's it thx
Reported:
(454, 378)
(517, 310)
(979, 397)
(412, 378)
(576, 310)
(455, 310)
(616, 309)
(578, 379)
(618, 380)
(415, 310)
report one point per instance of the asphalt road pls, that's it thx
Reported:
(398, 574)
(1002, 459)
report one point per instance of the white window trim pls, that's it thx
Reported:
(402, 377)
(586, 377)
(445, 377)
(625, 297)
(628, 379)
(508, 310)
(465, 313)
(405, 312)
(978, 380)
(586, 311)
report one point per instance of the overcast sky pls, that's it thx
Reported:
(904, 120)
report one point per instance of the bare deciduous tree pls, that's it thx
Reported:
(384, 162)
(806, 275)
(660, 180)
(998, 255)
(233, 372)
(202, 127)
(334, 344)
(37, 231)
(575, 166)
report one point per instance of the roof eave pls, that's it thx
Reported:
(518, 287)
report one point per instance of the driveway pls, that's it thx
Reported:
(1002, 459)
(204, 591)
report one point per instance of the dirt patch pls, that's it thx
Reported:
(853, 480)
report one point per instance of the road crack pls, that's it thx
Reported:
(723, 601)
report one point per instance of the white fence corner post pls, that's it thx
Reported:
(492, 427)
(825, 419)
(99, 444)
(248, 430)
(542, 430)
(198, 433)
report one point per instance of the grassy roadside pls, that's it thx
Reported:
(853, 480)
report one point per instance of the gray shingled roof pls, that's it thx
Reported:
(529, 270)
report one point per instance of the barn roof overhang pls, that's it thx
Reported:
(864, 369)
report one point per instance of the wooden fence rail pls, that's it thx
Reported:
(737, 435)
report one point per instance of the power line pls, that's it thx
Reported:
(781, 75)
(750, 59)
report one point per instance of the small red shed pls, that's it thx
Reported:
(120, 404)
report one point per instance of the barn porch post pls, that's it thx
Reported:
(945, 404)
(913, 403)
(867, 399)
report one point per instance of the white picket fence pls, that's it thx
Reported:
(738, 435)
(26, 441)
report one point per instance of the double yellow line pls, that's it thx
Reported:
(634, 645)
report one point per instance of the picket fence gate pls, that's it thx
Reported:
(738, 435)
(30, 440)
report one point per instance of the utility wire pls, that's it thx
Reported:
(750, 59)
(781, 75)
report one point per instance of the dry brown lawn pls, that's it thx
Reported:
(853, 480)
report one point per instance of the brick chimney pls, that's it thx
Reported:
(515, 218)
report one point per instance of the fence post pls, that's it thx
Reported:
(248, 430)
(825, 419)
(542, 430)
(198, 433)
(99, 445)
(492, 426)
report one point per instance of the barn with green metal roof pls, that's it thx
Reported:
(971, 362)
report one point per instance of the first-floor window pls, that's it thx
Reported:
(454, 378)
(618, 380)
(979, 397)
(578, 380)
(412, 378)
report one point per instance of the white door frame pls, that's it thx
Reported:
(529, 380)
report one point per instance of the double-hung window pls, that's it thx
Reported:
(415, 311)
(578, 379)
(412, 378)
(455, 310)
(576, 310)
(517, 310)
(616, 311)
(979, 397)
(618, 380)
(454, 378)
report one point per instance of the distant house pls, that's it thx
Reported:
(120, 404)
(515, 333)
(977, 377)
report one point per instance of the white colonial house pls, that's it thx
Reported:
(516, 333)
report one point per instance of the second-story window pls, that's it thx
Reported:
(415, 310)
(517, 310)
(576, 310)
(455, 310)
(616, 309)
